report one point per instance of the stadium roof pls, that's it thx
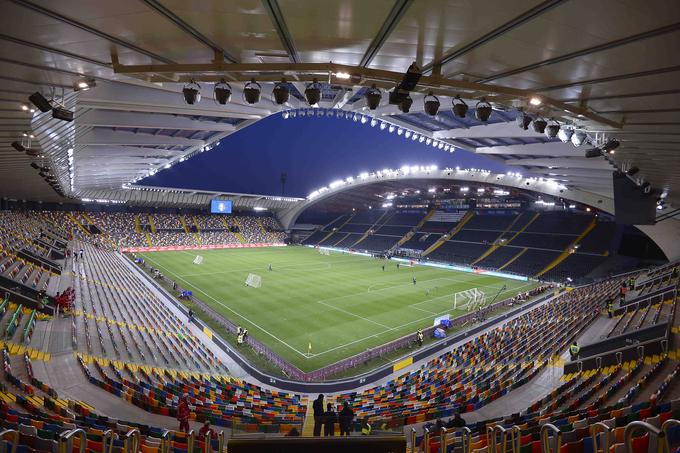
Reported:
(610, 68)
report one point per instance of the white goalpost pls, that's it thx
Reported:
(254, 281)
(470, 299)
(198, 259)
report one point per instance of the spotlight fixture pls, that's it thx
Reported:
(552, 128)
(431, 104)
(281, 92)
(191, 93)
(18, 146)
(60, 113)
(222, 92)
(373, 97)
(84, 84)
(579, 138)
(405, 105)
(35, 166)
(407, 84)
(251, 92)
(523, 120)
(610, 146)
(539, 125)
(313, 92)
(483, 110)
(593, 152)
(632, 171)
(535, 100)
(565, 134)
(460, 108)
(40, 102)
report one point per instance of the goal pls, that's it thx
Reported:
(198, 259)
(324, 252)
(254, 281)
(469, 300)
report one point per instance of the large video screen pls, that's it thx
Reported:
(220, 206)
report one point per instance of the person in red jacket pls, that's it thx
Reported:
(206, 432)
(183, 413)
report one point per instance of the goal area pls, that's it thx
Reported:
(254, 281)
(198, 259)
(470, 299)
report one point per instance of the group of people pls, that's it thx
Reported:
(241, 335)
(183, 412)
(328, 418)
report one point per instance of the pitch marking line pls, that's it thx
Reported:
(234, 312)
(399, 327)
(351, 314)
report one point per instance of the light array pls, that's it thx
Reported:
(427, 170)
(361, 118)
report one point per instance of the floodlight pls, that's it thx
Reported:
(593, 152)
(18, 146)
(281, 92)
(539, 125)
(251, 92)
(460, 108)
(191, 93)
(61, 113)
(84, 84)
(405, 105)
(373, 97)
(222, 92)
(535, 101)
(313, 92)
(523, 120)
(483, 110)
(39, 101)
(552, 129)
(610, 146)
(431, 104)
(632, 171)
(579, 138)
(565, 134)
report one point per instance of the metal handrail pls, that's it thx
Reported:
(442, 440)
(165, 441)
(67, 437)
(190, 443)
(515, 438)
(664, 428)
(426, 441)
(597, 428)
(545, 438)
(644, 426)
(108, 435)
(220, 442)
(466, 439)
(15, 438)
(132, 437)
(413, 439)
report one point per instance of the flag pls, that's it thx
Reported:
(309, 349)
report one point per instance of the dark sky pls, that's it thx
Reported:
(312, 151)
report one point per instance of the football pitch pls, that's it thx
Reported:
(340, 304)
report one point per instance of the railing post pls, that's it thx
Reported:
(133, 437)
(108, 436)
(220, 442)
(665, 427)
(466, 439)
(515, 435)
(165, 441)
(664, 346)
(442, 440)
(545, 438)
(413, 440)
(579, 366)
(641, 351)
(644, 426)
(619, 358)
(190, 443)
(13, 432)
(598, 362)
(426, 441)
(65, 439)
(597, 428)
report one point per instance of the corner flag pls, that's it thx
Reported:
(309, 349)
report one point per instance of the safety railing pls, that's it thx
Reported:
(15, 438)
(665, 428)
(602, 431)
(493, 434)
(133, 437)
(66, 441)
(107, 441)
(165, 442)
(546, 431)
(633, 427)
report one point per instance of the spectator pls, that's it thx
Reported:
(365, 427)
(574, 349)
(346, 417)
(456, 421)
(293, 432)
(206, 431)
(318, 414)
(330, 417)
(183, 413)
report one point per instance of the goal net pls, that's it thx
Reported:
(324, 252)
(470, 299)
(254, 281)
(198, 259)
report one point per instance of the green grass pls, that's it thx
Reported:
(341, 304)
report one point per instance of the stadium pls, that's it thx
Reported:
(379, 226)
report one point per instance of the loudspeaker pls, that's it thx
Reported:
(62, 114)
(40, 101)
(632, 206)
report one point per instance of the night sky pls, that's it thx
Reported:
(312, 151)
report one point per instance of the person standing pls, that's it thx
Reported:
(330, 417)
(183, 413)
(574, 349)
(206, 433)
(346, 417)
(318, 414)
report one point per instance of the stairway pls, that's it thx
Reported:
(466, 218)
(495, 244)
(151, 224)
(414, 230)
(566, 252)
(375, 226)
(148, 239)
(333, 231)
(138, 225)
(77, 223)
(184, 224)
(238, 235)
(510, 261)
